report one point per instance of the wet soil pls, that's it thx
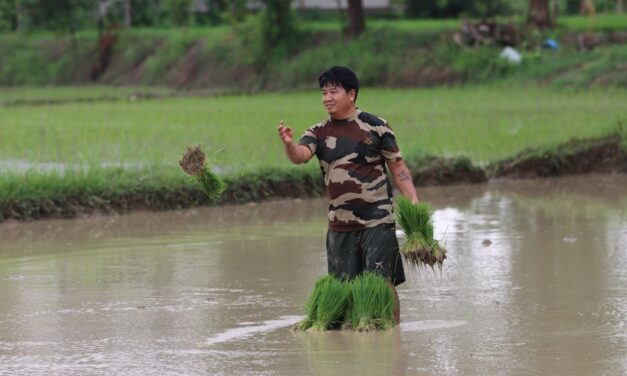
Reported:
(575, 157)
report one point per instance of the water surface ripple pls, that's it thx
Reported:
(535, 284)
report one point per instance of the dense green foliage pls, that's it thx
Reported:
(247, 58)
(456, 8)
(72, 15)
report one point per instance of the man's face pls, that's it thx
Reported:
(337, 101)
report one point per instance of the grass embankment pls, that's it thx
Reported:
(32, 95)
(398, 53)
(61, 160)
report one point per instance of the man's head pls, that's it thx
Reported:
(339, 91)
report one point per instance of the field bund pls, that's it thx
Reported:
(103, 149)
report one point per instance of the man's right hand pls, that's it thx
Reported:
(295, 152)
(285, 133)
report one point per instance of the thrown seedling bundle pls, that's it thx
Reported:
(366, 303)
(420, 248)
(194, 163)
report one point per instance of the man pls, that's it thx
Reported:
(354, 148)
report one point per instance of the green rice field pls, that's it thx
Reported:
(140, 142)
(69, 93)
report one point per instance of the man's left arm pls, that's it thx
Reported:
(402, 179)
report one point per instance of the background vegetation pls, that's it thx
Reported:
(100, 98)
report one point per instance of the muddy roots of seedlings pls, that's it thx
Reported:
(366, 303)
(194, 163)
(419, 252)
(420, 248)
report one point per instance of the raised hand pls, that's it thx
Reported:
(285, 133)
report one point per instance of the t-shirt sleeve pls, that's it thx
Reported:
(309, 139)
(389, 148)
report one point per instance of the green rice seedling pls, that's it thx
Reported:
(194, 163)
(420, 248)
(327, 304)
(312, 305)
(415, 218)
(372, 303)
(332, 303)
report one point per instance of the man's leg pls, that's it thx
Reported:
(382, 256)
(343, 257)
(397, 304)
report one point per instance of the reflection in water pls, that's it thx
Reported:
(344, 353)
(535, 283)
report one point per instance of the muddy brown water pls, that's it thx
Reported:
(535, 284)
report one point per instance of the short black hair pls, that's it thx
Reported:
(340, 76)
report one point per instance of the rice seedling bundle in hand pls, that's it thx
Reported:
(372, 303)
(327, 304)
(194, 163)
(420, 247)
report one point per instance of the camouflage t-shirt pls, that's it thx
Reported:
(352, 155)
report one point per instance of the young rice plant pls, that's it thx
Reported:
(194, 163)
(366, 303)
(420, 247)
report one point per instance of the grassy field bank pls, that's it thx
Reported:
(399, 53)
(116, 155)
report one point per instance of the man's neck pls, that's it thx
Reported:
(345, 115)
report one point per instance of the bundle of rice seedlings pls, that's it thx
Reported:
(327, 304)
(372, 303)
(194, 163)
(420, 247)
(332, 304)
(312, 306)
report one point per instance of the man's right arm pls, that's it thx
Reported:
(296, 153)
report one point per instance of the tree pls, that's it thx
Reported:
(278, 23)
(7, 15)
(539, 14)
(457, 8)
(356, 19)
(19, 16)
(127, 13)
(58, 15)
(587, 8)
(179, 11)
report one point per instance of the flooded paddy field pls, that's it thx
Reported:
(535, 284)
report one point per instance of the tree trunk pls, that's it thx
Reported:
(587, 8)
(539, 14)
(356, 19)
(127, 13)
(619, 6)
(19, 16)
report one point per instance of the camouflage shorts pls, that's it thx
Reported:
(370, 250)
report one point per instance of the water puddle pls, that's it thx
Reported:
(535, 283)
